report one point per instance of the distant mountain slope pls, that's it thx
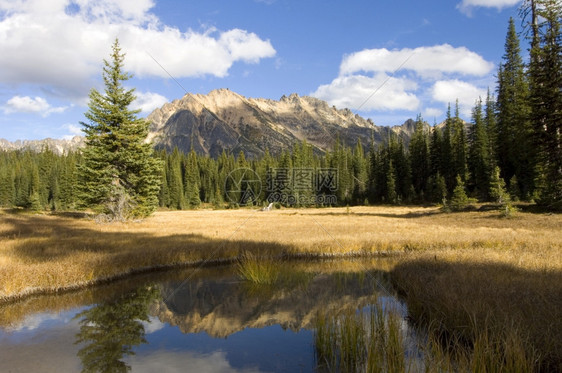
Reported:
(58, 146)
(225, 120)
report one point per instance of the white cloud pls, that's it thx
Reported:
(425, 61)
(33, 321)
(447, 91)
(435, 73)
(34, 105)
(74, 129)
(190, 53)
(26, 104)
(177, 361)
(430, 113)
(59, 45)
(466, 5)
(352, 92)
(153, 325)
(148, 101)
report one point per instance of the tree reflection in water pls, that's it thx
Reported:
(109, 331)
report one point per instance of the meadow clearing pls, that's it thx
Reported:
(54, 252)
(459, 273)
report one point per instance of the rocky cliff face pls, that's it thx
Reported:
(225, 120)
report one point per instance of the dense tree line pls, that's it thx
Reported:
(510, 149)
(39, 181)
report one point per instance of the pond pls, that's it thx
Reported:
(211, 320)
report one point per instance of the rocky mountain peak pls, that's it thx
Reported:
(225, 120)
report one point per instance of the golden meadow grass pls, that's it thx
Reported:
(44, 252)
(465, 274)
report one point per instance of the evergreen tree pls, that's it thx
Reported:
(446, 161)
(479, 160)
(514, 191)
(175, 180)
(459, 146)
(7, 179)
(66, 182)
(419, 160)
(439, 188)
(391, 195)
(192, 180)
(497, 187)
(459, 199)
(545, 80)
(34, 198)
(374, 174)
(360, 174)
(403, 172)
(119, 175)
(22, 183)
(435, 148)
(515, 151)
(491, 127)
(164, 194)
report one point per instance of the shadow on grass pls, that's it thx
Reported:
(468, 298)
(51, 254)
(409, 215)
(44, 238)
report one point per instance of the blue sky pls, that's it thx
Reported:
(385, 59)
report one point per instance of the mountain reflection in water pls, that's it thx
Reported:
(206, 319)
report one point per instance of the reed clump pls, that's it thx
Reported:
(259, 270)
(367, 340)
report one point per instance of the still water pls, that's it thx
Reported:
(194, 319)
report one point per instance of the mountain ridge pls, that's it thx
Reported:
(58, 146)
(225, 120)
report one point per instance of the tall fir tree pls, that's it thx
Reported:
(446, 161)
(435, 148)
(174, 176)
(419, 160)
(545, 81)
(391, 196)
(192, 180)
(490, 122)
(459, 146)
(164, 194)
(360, 174)
(515, 151)
(479, 157)
(120, 175)
(374, 173)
